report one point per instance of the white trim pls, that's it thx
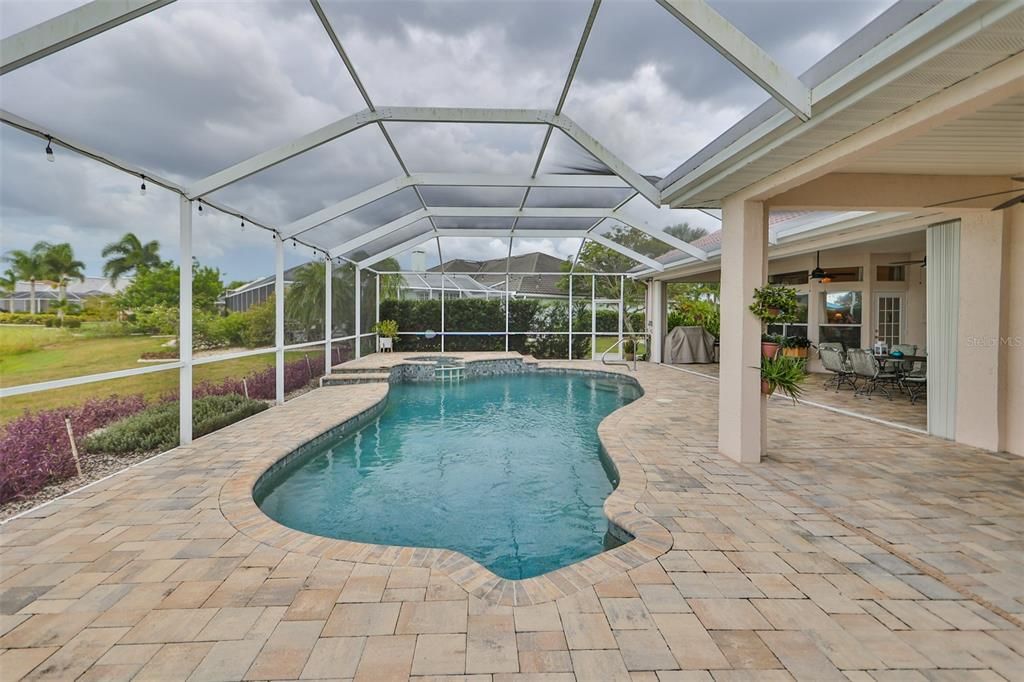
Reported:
(24, 389)
(210, 359)
(630, 253)
(279, 320)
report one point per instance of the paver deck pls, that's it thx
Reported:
(854, 552)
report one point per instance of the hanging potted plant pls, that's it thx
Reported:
(387, 332)
(773, 304)
(795, 346)
(784, 374)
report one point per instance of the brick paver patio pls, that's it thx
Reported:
(854, 552)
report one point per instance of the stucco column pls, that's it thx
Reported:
(981, 354)
(656, 318)
(742, 410)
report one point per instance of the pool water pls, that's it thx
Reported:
(507, 470)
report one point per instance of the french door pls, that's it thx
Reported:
(889, 318)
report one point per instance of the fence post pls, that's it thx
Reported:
(570, 316)
(442, 311)
(359, 312)
(507, 305)
(593, 316)
(328, 312)
(185, 320)
(376, 314)
(279, 319)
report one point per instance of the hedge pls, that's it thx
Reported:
(155, 429)
(479, 315)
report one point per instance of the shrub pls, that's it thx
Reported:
(35, 450)
(26, 318)
(156, 428)
(257, 325)
(159, 319)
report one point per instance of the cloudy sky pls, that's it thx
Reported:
(199, 85)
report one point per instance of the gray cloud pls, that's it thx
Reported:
(197, 86)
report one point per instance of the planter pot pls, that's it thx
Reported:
(795, 352)
(769, 349)
(775, 312)
(385, 344)
(765, 389)
(629, 356)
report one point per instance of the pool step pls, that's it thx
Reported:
(348, 378)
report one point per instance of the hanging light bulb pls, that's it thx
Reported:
(243, 224)
(49, 150)
(142, 187)
(200, 207)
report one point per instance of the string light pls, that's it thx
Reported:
(49, 149)
(142, 187)
(200, 207)
(243, 224)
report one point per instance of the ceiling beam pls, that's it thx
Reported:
(662, 236)
(627, 252)
(382, 190)
(426, 236)
(744, 53)
(379, 232)
(70, 28)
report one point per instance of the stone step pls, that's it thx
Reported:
(360, 378)
(341, 370)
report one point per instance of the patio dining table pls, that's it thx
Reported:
(884, 357)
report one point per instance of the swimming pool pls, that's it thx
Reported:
(505, 469)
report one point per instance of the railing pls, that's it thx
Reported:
(604, 360)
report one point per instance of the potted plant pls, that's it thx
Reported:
(774, 304)
(782, 373)
(387, 332)
(629, 348)
(795, 346)
(770, 345)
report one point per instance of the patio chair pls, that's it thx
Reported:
(832, 361)
(915, 382)
(866, 367)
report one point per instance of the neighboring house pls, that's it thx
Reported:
(531, 275)
(242, 298)
(47, 293)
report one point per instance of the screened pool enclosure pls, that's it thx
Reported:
(540, 179)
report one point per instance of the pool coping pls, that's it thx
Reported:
(650, 539)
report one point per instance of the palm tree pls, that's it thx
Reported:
(30, 266)
(8, 284)
(130, 255)
(62, 267)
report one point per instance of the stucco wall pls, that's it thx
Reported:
(1013, 384)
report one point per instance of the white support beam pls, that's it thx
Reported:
(185, 320)
(281, 153)
(328, 313)
(378, 232)
(346, 125)
(505, 233)
(605, 156)
(509, 180)
(359, 312)
(70, 28)
(662, 236)
(279, 320)
(355, 201)
(745, 54)
(513, 212)
(427, 236)
(630, 253)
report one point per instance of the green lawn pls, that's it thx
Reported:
(29, 354)
(606, 342)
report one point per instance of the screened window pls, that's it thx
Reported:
(890, 273)
(841, 315)
(798, 277)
